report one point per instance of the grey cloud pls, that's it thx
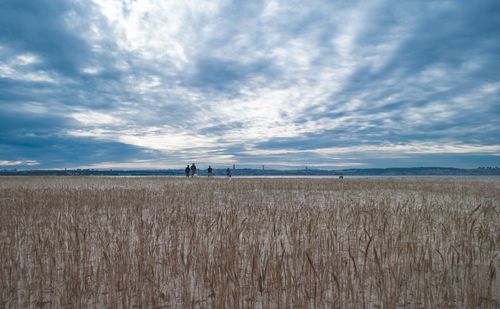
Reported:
(40, 137)
(446, 41)
(227, 75)
(39, 26)
(221, 128)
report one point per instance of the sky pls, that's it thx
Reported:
(286, 84)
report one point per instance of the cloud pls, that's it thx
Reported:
(223, 75)
(17, 163)
(280, 83)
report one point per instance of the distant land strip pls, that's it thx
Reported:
(412, 171)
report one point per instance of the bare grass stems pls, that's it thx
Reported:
(249, 243)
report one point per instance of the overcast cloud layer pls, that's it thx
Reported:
(331, 84)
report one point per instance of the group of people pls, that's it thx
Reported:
(192, 171)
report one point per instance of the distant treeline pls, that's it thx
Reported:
(414, 171)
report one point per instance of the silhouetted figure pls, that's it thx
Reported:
(187, 170)
(341, 177)
(210, 170)
(228, 172)
(193, 170)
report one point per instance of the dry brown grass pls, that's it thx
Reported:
(249, 243)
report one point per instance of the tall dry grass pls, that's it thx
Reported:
(249, 243)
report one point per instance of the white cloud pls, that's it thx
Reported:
(93, 118)
(166, 141)
(27, 59)
(414, 148)
(155, 30)
(16, 163)
(91, 70)
(130, 165)
(12, 72)
(155, 138)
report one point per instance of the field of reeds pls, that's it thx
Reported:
(161, 242)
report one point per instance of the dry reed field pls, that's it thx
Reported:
(159, 242)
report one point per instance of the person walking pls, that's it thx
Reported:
(187, 170)
(228, 172)
(193, 170)
(209, 170)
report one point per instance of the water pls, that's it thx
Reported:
(465, 177)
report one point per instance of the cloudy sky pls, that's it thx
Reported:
(329, 84)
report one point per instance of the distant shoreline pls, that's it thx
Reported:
(247, 172)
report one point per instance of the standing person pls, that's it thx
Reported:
(187, 170)
(209, 171)
(193, 170)
(228, 172)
